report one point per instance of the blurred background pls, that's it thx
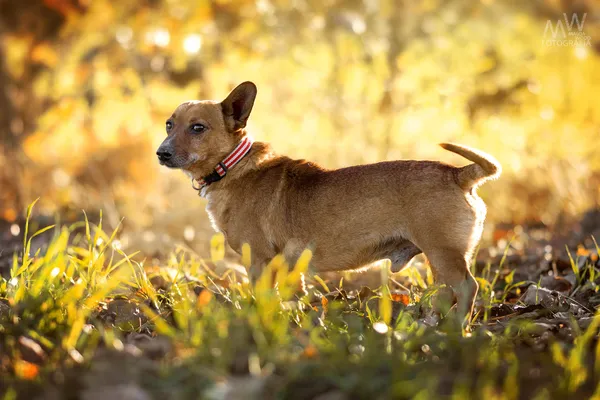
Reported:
(86, 86)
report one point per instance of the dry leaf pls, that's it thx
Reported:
(401, 298)
(325, 303)
(26, 370)
(310, 351)
(582, 251)
(204, 298)
(44, 54)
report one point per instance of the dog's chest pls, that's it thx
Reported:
(216, 214)
(223, 219)
(242, 224)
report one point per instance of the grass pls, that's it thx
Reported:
(83, 317)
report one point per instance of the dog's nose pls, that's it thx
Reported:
(163, 155)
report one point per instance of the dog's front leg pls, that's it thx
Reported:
(257, 266)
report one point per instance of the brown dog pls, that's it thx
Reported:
(350, 217)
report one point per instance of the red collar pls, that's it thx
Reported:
(243, 148)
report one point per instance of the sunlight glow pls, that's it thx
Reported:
(124, 35)
(380, 327)
(581, 52)
(160, 37)
(15, 229)
(192, 43)
(547, 113)
(189, 233)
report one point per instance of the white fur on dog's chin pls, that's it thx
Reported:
(189, 174)
(193, 158)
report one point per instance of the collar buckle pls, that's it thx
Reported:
(224, 167)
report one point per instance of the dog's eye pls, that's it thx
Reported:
(169, 125)
(198, 128)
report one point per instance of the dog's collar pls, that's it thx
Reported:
(243, 148)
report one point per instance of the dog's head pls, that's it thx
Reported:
(201, 133)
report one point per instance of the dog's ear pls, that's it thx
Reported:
(237, 106)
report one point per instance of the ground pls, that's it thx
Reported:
(81, 319)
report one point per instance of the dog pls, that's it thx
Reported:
(350, 217)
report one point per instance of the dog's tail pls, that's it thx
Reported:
(485, 168)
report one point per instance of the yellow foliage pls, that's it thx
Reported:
(217, 247)
(338, 84)
(45, 54)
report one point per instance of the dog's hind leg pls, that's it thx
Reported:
(451, 267)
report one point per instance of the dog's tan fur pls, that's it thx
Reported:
(350, 217)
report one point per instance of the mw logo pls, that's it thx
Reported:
(573, 35)
(560, 28)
